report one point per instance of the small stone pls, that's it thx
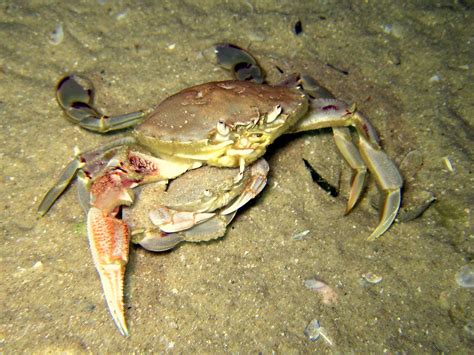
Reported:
(465, 276)
(301, 235)
(469, 329)
(314, 284)
(372, 278)
(395, 30)
(57, 36)
(419, 201)
(435, 78)
(387, 28)
(298, 28)
(120, 16)
(312, 330)
(448, 164)
(38, 265)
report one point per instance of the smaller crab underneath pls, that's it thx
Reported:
(213, 134)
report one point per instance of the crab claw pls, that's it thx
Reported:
(108, 239)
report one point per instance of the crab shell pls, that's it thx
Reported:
(222, 124)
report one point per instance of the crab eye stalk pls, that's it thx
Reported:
(222, 128)
(273, 114)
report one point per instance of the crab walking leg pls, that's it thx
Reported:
(75, 95)
(108, 239)
(388, 178)
(104, 124)
(328, 113)
(157, 240)
(74, 166)
(171, 221)
(347, 148)
(331, 113)
(63, 182)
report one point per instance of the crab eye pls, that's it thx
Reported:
(274, 113)
(222, 128)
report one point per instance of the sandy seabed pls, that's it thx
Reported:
(408, 67)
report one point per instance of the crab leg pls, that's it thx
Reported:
(343, 139)
(157, 240)
(171, 221)
(63, 182)
(75, 95)
(101, 123)
(335, 114)
(390, 181)
(258, 180)
(74, 166)
(109, 238)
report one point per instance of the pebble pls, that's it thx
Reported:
(57, 36)
(298, 27)
(372, 278)
(469, 329)
(301, 235)
(38, 265)
(314, 331)
(314, 284)
(396, 30)
(465, 276)
(412, 162)
(121, 15)
(435, 78)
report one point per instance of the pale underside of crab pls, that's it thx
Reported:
(210, 138)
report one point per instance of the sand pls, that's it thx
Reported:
(408, 67)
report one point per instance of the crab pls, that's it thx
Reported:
(209, 138)
(195, 207)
